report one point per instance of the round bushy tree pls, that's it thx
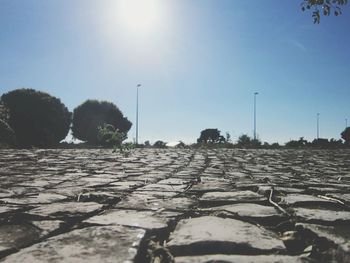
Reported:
(346, 136)
(7, 135)
(93, 114)
(37, 118)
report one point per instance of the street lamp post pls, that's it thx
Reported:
(137, 113)
(346, 123)
(318, 126)
(255, 93)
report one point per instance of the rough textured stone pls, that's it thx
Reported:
(46, 195)
(239, 259)
(92, 244)
(232, 197)
(208, 234)
(303, 199)
(321, 215)
(67, 209)
(134, 218)
(248, 210)
(17, 236)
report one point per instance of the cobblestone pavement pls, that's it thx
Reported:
(175, 205)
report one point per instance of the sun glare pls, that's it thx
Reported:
(138, 16)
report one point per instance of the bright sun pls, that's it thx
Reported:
(139, 16)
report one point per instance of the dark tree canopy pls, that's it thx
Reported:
(92, 114)
(37, 118)
(323, 7)
(346, 135)
(210, 136)
(4, 112)
(7, 135)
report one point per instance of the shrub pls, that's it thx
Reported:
(4, 112)
(37, 118)
(159, 144)
(108, 136)
(211, 136)
(7, 135)
(245, 141)
(92, 114)
(346, 136)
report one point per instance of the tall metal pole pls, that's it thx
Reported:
(346, 123)
(137, 113)
(318, 126)
(255, 93)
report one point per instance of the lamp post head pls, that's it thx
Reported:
(256, 93)
(138, 85)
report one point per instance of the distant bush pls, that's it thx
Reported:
(244, 141)
(346, 136)
(297, 144)
(92, 114)
(108, 136)
(7, 135)
(211, 136)
(159, 144)
(37, 118)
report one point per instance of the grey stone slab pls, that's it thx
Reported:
(8, 208)
(142, 201)
(210, 234)
(322, 215)
(163, 188)
(232, 197)
(93, 244)
(17, 236)
(303, 199)
(66, 209)
(134, 218)
(40, 198)
(248, 210)
(239, 259)
(47, 226)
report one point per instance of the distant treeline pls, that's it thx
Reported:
(30, 118)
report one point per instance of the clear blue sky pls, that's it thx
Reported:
(199, 63)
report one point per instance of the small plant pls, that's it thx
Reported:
(109, 136)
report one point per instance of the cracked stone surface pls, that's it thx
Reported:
(191, 205)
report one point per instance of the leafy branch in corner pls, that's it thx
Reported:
(323, 7)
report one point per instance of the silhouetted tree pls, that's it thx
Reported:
(346, 136)
(323, 7)
(244, 140)
(297, 144)
(7, 135)
(211, 136)
(159, 144)
(37, 118)
(4, 112)
(92, 114)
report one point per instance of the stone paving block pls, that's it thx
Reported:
(144, 201)
(133, 218)
(93, 244)
(239, 259)
(66, 209)
(248, 210)
(232, 197)
(322, 215)
(47, 226)
(208, 234)
(41, 198)
(304, 199)
(17, 235)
